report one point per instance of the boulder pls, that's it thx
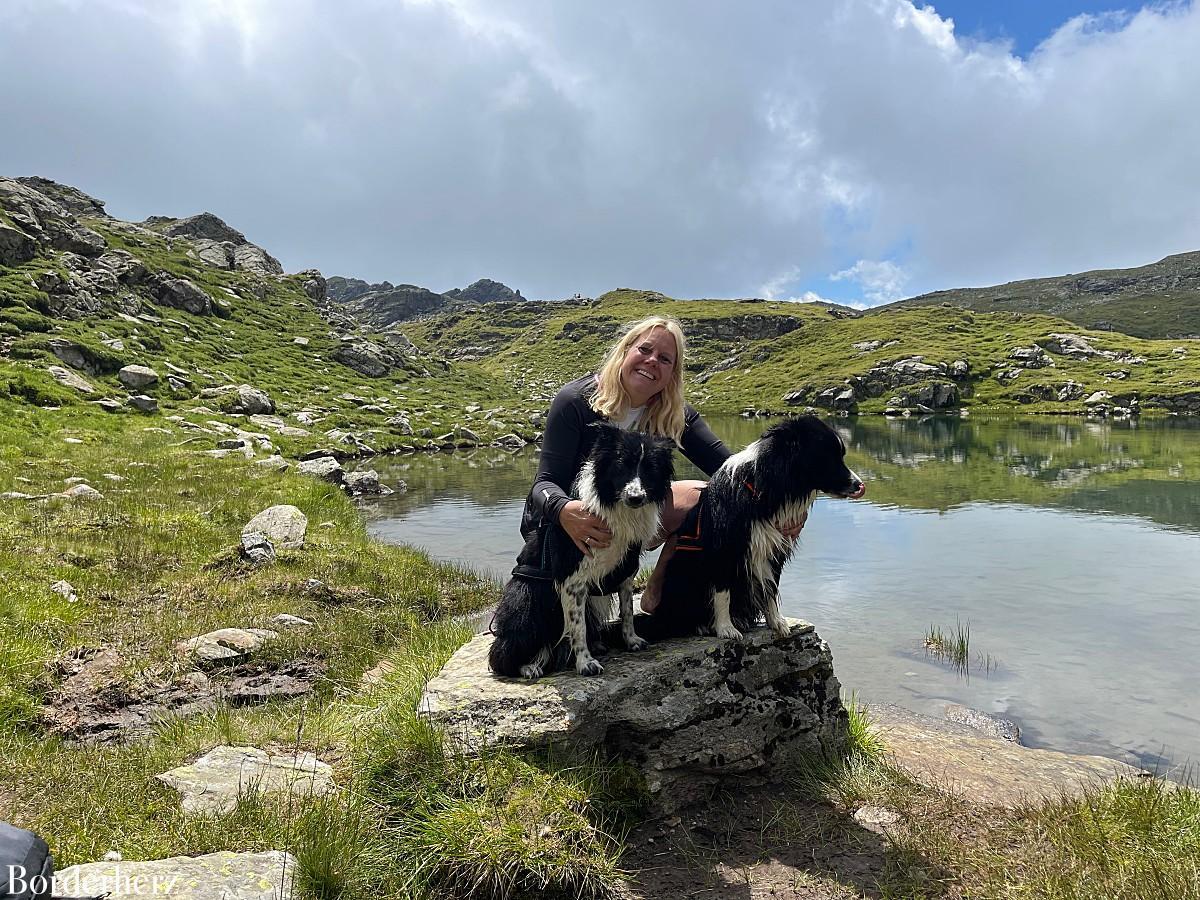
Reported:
(217, 876)
(142, 403)
(283, 525)
(362, 483)
(182, 294)
(324, 467)
(242, 398)
(137, 377)
(364, 357)
(688, 713)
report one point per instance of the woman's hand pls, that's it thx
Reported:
(791, 530)
(587, 531)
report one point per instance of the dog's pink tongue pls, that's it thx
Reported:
(860, 492)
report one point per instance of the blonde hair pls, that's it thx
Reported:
(665, 411)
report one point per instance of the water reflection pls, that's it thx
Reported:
(1070, 546)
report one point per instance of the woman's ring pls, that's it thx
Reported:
(588, 540)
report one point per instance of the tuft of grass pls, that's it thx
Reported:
(952, 645)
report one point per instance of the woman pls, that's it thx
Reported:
(639, 386)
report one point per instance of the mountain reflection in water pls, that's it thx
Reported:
(1070, 546)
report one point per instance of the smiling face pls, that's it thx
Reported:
(649, 365)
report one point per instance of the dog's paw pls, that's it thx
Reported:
(636, 643)
(588, 667)
(532, 672)
(780, 627)
(728, 631)
(598, 649)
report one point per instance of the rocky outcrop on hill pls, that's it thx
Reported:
(927, 386)
(217, 244)
(384, 304)
(688, 713)
(484, 291)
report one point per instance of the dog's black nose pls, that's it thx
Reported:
(635, 500)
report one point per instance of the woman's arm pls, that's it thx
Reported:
(700, 445)
(560, 449)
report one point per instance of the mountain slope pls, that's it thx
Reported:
(1160, 300)
(85, 295)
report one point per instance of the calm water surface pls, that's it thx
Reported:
(1072, 550)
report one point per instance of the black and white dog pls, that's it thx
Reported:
(724, 575)
(624, 480)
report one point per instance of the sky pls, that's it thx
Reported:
(859, 151)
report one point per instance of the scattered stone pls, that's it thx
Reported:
(110, 405)
(288, 621)
(71, 440)
(67, 378)
(300, 341)
(137, 377)
(1097, 398)
(283, 525)
(113, 477)
(685, 712)
(231, 444)
(64, 590)
(225, 645)
(218, 876)
(142, 403)
(215, 782)
(276, 462)
(877, 819)
(82, 492)
(257, 548)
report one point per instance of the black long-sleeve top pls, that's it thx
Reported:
(563, 449)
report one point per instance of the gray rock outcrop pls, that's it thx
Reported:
(687, 712)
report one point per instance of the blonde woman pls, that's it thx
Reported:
(639, 387)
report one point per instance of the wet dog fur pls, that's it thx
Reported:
(541, 622)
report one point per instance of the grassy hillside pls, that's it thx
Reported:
(250, 340)
(1160, 300)
(738, 363)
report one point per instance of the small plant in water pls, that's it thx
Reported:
(951, 646)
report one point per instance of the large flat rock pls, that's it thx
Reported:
(687, 712)
(217, 876)
(216, 781)
(985, 769)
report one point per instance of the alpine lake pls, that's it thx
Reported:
(1044, 570)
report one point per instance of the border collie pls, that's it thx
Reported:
(624, 480)
(724, 575)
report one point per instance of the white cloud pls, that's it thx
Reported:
(882, 281)
(689, 146)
